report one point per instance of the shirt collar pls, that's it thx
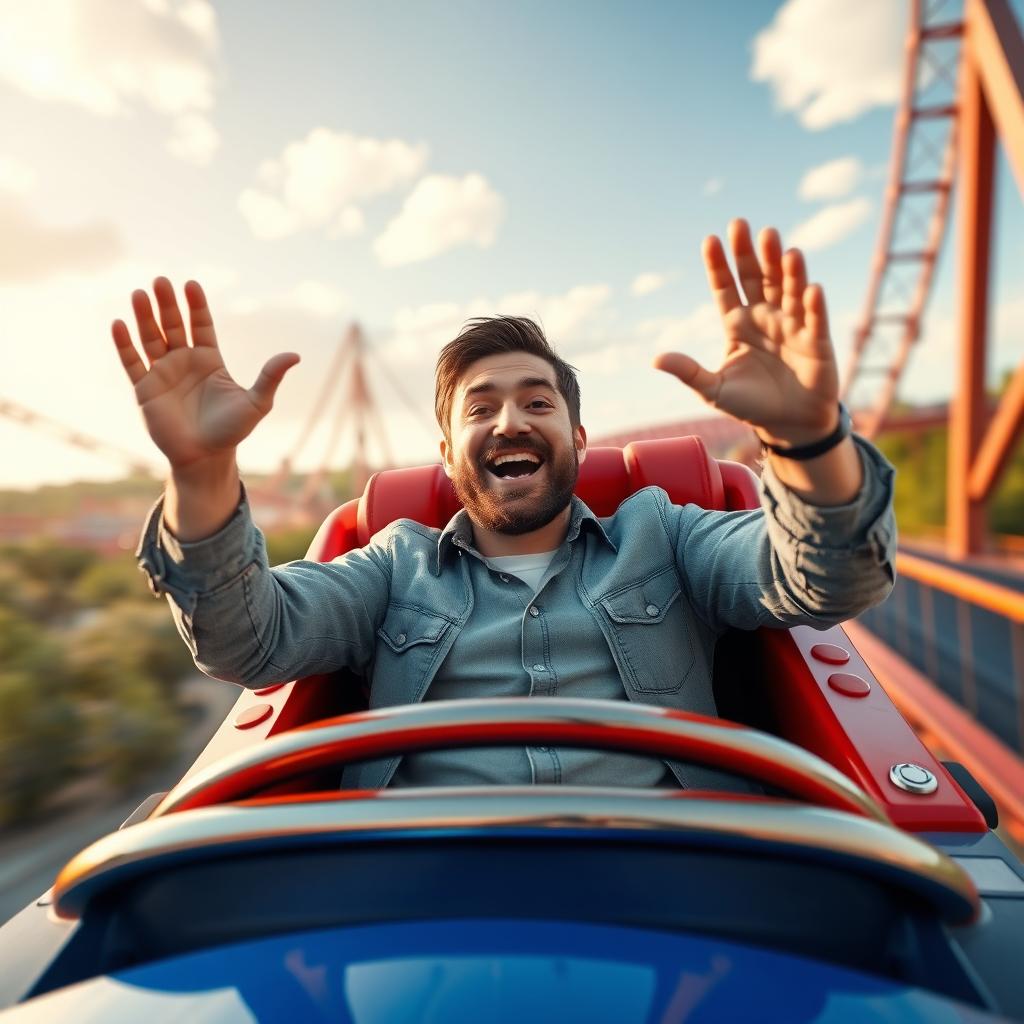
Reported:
(459, 531)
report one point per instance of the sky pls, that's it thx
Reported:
(408, 166)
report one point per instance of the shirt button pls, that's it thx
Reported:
(401, 638)
(538, 668)
(504, 578)
(534, 611)
(652, 609)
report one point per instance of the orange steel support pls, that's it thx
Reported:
(905, 240)
(991, 102)
(965, 518)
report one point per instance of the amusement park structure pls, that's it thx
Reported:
(861, 876)
(947, 126)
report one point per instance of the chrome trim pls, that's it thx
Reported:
(659, 732)
(765, 827)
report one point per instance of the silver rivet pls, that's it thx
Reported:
(652, 609)
(533, 611)
(401, 638)
(538, 668)
(913, 778)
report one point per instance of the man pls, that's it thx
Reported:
(525, 592)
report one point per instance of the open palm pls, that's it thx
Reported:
(779, 370)
(193, 408)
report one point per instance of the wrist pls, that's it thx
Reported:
(207, 472)
(790, 436)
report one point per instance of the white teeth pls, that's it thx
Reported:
(520, 457)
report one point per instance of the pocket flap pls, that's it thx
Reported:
(646, 601)
(405, 627)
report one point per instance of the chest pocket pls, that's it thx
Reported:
(409, 644)
(649, 624)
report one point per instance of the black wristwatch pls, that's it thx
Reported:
(811, 451)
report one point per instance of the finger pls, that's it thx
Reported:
(794, 284)
(170, 315)
(270, 377)
(816, 316)
(200, 318)
(150, 335)
(771, 265)
(720, 279)
(130, 359)
(747, 266)
(691, 373)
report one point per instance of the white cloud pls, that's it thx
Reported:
(440, 214)
(113, 58)
(831, 180)
(195, 140)
(316, 180)
(648, 282)
(831, 60)
(699, 333)
(830, 225)
(16, 177)
(421, 331)
(33, 249)
(713, 186)
(315, 298)
(350, 222)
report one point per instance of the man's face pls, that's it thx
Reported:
(506, 406)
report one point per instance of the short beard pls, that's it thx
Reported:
(503, 513)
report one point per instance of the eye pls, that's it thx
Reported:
(478, 410)
(541, 403)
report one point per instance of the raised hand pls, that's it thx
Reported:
(779, 372)
(193, 408)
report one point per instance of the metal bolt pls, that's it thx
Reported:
(912, 778)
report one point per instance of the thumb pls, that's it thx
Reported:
(691, 373)
(271, 376)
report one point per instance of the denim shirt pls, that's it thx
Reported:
(660, 582)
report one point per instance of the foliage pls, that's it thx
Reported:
(105, 582)
(85, 689)
(39, 727)
(288, 545)
(50, 572)
(920, 502)
(128, 639)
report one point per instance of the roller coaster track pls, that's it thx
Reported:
(921, 173)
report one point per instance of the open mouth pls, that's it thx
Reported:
(514, 465)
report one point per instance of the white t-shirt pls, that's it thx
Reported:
(529, 568)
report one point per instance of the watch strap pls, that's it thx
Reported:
(801, 453)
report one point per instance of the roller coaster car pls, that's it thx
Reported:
(861, 882)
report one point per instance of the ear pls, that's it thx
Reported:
(580, 441)
(445, 459)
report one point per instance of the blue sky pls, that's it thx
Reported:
(409, 165)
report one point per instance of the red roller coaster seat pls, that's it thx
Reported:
(680, 465)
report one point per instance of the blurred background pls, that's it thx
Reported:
(353, 181)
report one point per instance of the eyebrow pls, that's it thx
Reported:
(522, 385)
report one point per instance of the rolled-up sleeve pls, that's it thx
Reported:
(792, 563)
(251, 624)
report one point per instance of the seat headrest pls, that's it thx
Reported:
(680, 465)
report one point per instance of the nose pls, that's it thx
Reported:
(511, 421)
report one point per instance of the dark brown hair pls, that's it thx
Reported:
(490, 336)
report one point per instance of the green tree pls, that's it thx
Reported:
(39, 729)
